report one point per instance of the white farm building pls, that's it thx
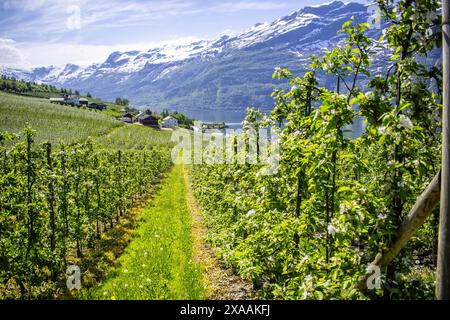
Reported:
(169, 122)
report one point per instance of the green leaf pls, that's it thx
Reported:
(343, 189)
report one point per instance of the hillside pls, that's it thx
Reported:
(10, 84)
(53, 122)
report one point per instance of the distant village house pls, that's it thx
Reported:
(97, 106)
(75, 100)
(127, 118)
(83, 102)
(213, 125)
(169, 122)
(149, 121)
(64, 98)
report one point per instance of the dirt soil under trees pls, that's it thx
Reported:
(220, 281)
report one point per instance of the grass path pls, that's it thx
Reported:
(220, 282)
(158, 263)
(167, 257)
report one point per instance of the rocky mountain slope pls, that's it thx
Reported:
(230, 73)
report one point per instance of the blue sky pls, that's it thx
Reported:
(44, 32)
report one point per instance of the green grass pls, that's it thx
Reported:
(135, 137)
(52, 122)
(158, 263)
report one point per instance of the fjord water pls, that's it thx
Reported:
(233, 119)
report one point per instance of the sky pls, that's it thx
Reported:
(56, 32)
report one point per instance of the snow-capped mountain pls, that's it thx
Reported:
(231, 72)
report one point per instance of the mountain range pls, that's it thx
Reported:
(229, 73)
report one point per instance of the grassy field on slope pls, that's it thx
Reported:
(158, 263)
(52, 122)
(135, 137)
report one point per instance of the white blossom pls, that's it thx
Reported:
(331, 229)
(405, 122)
(382, 216)
(382, 130)
(305, 294)
(251, 213)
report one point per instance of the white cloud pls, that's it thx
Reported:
(55, 17)
(43, 54)
(50, 33)
(10, 55)
(247, 5)
(27, 55)
(27, 5)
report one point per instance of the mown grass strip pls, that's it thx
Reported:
(220, 282)
(158, 263)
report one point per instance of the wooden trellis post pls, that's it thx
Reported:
(443, 261)
(422, 209)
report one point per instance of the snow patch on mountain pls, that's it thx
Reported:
(190, 70)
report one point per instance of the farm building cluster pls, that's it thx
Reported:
(149, 120)
(76, 100)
